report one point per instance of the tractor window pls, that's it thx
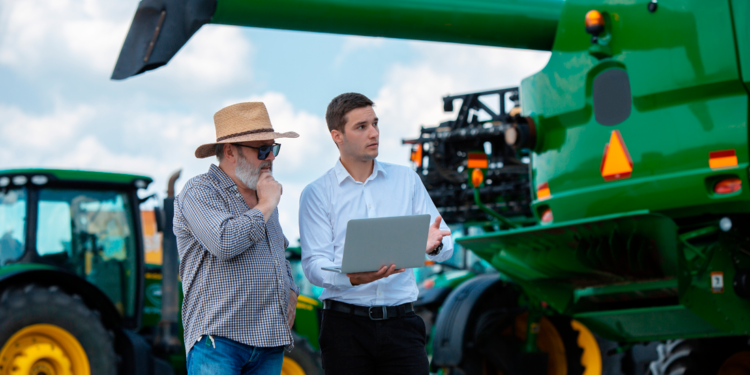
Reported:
(12, 224)
(91, 233)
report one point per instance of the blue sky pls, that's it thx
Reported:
(58, 108)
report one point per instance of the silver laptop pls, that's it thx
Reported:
(373, 243)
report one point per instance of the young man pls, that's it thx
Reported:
(240, 297)
(356, 337)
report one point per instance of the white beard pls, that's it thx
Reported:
(249, 175)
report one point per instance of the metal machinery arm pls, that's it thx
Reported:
(161, 27)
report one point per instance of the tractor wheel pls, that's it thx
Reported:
(568, 344)
(722, 356)
(303, 360)
(46, 331)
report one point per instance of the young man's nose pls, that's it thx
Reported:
(374, 132)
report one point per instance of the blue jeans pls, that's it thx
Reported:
(230, 357)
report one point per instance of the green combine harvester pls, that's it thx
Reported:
(637, 130)
(76, 297)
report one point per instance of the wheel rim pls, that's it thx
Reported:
(592, 356)
(43, 349)
(548, 340)
(291, 367)
(737, 364)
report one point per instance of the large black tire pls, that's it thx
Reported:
(696, 357)
(24, 306)
(305, 356)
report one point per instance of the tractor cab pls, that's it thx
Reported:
(85, 223)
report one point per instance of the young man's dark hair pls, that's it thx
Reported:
(341, 105)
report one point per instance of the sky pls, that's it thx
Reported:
(59, 109)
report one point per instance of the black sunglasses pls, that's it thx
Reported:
(263, 151)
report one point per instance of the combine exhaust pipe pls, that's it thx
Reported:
(167, 340)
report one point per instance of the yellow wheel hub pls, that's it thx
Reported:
(291, 367)
(592, 356)
(43, 349)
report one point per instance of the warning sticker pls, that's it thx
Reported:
(717, 282)
(616, 163)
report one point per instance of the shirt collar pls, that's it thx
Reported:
(218, 175)
(342, 173)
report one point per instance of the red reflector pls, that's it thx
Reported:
(729, 185)
(547, 216)
(428, 284)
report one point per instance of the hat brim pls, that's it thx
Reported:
(209, 149)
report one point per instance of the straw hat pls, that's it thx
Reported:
(241, 122)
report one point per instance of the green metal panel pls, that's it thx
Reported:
(647, 324)
(741, 19)
(595, 248)
(526, 24)
(687, 101)
(20, 267)
(452, 278)
(83, 176)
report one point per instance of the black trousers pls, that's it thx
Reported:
(357, 345)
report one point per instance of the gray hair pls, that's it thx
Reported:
(219, 151)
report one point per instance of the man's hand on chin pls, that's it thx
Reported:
(291, 311)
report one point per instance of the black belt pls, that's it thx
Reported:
(372, 312)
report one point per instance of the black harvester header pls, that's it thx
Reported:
(485, 123)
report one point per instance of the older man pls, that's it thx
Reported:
(240, 298)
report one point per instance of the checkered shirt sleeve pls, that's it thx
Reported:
(236, 280)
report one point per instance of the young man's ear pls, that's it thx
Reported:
(337, 137)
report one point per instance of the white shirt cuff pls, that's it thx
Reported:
(342, 281)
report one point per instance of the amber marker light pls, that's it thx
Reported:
(416, 155)
(594, 22)
(477, 177)
(728, 186)
(722, 159)
(547, 216)
(477, 160)
(542, 191)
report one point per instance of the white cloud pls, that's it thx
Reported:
(85, 37)
(23, 131)
(354, 43)
(87, 33)
(215, 56)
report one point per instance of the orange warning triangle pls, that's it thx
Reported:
(616, 163)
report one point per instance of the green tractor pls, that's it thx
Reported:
(72, 274)
(76, 297)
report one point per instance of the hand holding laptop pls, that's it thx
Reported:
(368, 277)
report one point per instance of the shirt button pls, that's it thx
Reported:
(379, 293)
(370, 206)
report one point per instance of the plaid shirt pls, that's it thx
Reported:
(235, 276)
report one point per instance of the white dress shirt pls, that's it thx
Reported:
(327, 205)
